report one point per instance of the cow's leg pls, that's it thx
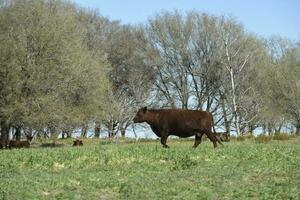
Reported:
(163, 141)
(211, 137)
(198, 139)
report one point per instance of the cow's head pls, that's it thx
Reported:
(140, 115)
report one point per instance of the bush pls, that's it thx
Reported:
(244, 137)
(240, 138)
(233, 137)
(248, 136)
(281, 136)
(263, 138)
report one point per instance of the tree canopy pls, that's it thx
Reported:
(63, 67)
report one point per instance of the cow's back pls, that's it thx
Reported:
(185, 123)
(19, 144)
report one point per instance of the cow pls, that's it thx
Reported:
(178, 122)
(77, 143)
(20, 144)
(3, 144)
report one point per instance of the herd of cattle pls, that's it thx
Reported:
(26, 143)
(163, 122)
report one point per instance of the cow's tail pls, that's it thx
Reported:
(215, 133)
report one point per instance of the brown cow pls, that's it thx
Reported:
(182, 123)
(3, 144)
(77, 143)
(20, 144)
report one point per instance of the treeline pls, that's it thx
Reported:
(65, 68)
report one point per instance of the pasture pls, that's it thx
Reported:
(102, 169)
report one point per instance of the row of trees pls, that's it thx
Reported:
(52, 79)
(64, 68)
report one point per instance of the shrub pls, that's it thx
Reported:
(240, 138)
(281, 136)
(232, 137)
(263, 138)
(248, 136)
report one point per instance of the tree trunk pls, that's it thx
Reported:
(18, 133)
(123, 131)
(251, 129)
(278, 130)
(84, 130)
(63, 134)
(226, 122)
(4, 133)
(235, 107)
(53, 133)
(97, 129)
(69, 133)
(66, 134)
(298, 129)
(264, 128)
(110, 129)
(270, 130)
(207, 104)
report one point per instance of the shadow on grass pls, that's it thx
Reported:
(51, 145)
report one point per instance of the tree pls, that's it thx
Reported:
(270, 82)
(130, 78)
(287, 86)
(49, 77)
(184, 53)
(240, 52)
(203, 62)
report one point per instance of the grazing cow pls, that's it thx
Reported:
(4, 144)
(182, 123)
(20, 144)
(77, 143)
(224, 137)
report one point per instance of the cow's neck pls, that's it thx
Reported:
(153, 121)
(151, 117)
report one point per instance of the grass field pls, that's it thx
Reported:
(145, 170)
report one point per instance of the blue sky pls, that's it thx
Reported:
(262, 17)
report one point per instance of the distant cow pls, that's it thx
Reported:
(224, 137)
(4, 144)
(77, 143)
(182, 123)
(20, 144)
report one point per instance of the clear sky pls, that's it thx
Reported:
(263, 17)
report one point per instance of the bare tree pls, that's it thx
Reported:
(239, 49)
(183, 50)
(131, 79)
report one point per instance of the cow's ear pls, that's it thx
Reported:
(145, 109)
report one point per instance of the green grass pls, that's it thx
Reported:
(145, 170)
